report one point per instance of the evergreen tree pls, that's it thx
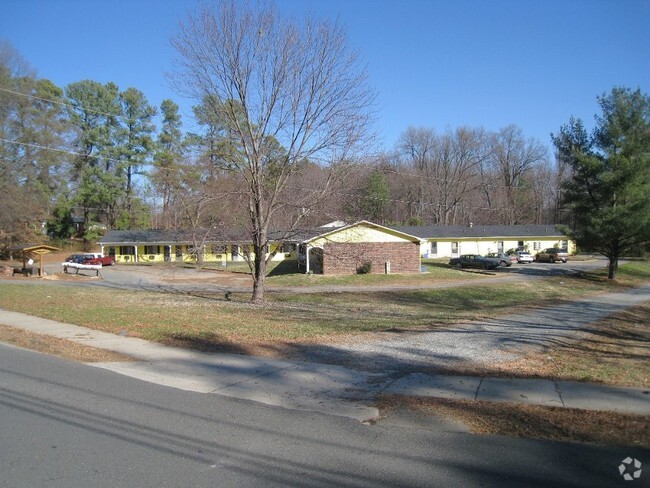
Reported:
(93, 111)
(609, 188)
(376, 197)
(32, 132)
(134, 142)
(170, 152)
(50, 129)
(61, 225)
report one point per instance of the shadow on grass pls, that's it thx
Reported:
(448, 350)
(209, 342)
(284, 268)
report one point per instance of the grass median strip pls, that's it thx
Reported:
(211, 323)
(58, 347)
(288, 317)
(532, 421)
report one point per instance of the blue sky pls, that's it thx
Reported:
(435, 64)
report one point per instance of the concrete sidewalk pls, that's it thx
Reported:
(569, 394)
(321, 387)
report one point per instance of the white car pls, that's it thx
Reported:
(524, 257)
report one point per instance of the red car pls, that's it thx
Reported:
(88, 258)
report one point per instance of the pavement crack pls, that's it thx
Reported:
(559, 392)
(478, 388)
(253, 378)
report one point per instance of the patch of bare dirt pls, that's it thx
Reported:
(223, 278)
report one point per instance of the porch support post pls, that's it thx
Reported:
(307, 249)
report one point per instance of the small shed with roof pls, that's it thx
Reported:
(28, 252)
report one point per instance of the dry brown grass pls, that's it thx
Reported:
(58, 347)
(532, 421)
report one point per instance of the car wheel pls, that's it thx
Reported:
(552, 259)
(112, 262)
(503, 263)
(458, 266)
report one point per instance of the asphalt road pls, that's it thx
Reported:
(66, 424)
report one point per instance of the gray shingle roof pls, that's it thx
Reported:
(465, 231)
(218, 235)
(223, 235)
(117, 237)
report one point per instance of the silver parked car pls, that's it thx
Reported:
(504, 259)
(524, 257)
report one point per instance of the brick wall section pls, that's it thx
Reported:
(346, 258)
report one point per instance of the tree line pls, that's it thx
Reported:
(92, 151)
(283, 110)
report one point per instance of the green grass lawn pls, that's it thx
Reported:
(286, 273)
(211, 322)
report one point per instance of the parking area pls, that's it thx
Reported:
(174, 278)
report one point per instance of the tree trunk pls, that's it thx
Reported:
(259, 274)
(612, 267)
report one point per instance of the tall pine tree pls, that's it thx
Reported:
(609, 187)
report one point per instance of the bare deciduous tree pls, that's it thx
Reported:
(511, 158)
(443, 170)
(456, 164)
(416, 147)
(275, 81)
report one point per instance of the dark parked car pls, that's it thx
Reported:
(504, 259)
(474, 261)
(552, 254)
(78, 258)
(94, 258)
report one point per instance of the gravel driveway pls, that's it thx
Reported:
(480, 343)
